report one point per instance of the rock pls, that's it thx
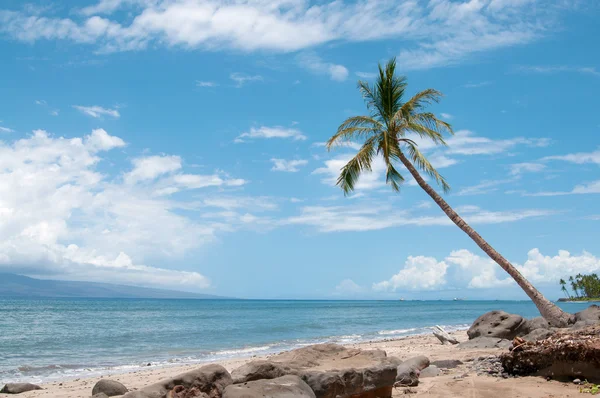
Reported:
(538, 334)
(588, 317)
(109, 387)
(257, 370)
(447, 363)
(486, 342)
(408, 372)
(100, 395)
(577, 381)
(535, 324)
(281, 387)
(565, 355)
(430, 371)
(498, 324)
(18, 388)
(331, 370)
(210, 380)
(183, 392)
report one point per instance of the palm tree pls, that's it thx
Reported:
(564, 288)
(384, 132)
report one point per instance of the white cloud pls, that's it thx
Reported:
(582, 189)
(447, 116)
(203, 83)
(382, 216)
(540, 268)
(40, 102)
(290, 166)
(366, 75)
(418, 273)
(6, 130)
(150, 167)
(97, 111)
(348, 287)
(63, 217)
(526, 167)
(433, 32)
(477, 84)
(465, 142)
(462, 268)
(578, 158)
(241, 79)
(313, 63)
(484, 187)
(482, 271)
(271, 132)
(547, 70)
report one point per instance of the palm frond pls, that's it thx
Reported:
(393, 177)
(422, 163)
(390, 89)
(357, 127)
(360, 162)
(420, 101)
(372, 98)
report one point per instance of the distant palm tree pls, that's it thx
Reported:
(574, 286)
(384, 132)
(564, 288)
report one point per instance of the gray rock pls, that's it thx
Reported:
(535, 324)
(588, 317)
(109, 387)
(281, 387)
(498, 324)
(332, 370)
(485, 342)
(447, 363)
(538, 334)
(430, 371)
(210, 380)
(18, 388)
(258, 370)
(408, 372)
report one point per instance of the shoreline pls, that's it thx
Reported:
(458, 382)
(226, 355)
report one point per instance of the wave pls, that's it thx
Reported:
(55, 372)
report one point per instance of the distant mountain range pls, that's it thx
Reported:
(12, 285)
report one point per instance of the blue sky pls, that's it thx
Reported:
(179, 144)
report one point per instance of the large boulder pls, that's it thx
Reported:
(538, 334)
(18, 388)
(258, 370)
(588, 317)
(498, 324)
(408, 372)
(330, 370)
(109, 387)
(535, 324)
(565, 355)
(281, 387)
(210, 380)
(482, 342)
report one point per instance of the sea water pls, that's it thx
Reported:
(57, 339)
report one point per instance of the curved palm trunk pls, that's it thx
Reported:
(552, 313)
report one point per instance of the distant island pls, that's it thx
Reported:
(585, 288)
(19, 286)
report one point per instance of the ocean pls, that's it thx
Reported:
(45, 340)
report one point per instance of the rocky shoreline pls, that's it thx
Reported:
(499, 348)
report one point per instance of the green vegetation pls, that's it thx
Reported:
(393, 129)
(589, 388)
(584, 287)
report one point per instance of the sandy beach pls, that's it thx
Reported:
(462, 381)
